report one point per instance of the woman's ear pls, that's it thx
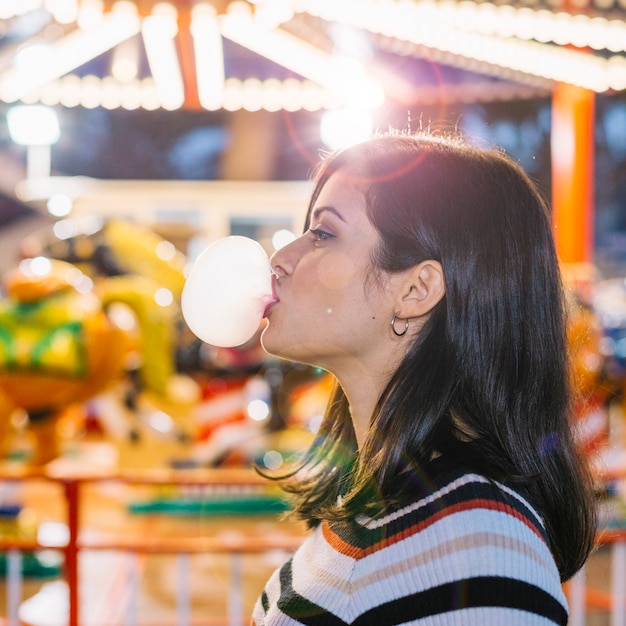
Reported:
(423, 287)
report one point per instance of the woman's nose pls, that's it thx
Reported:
(284, 260)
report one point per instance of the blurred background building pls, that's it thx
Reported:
(188, 90)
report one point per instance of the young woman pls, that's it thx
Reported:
(445, 486)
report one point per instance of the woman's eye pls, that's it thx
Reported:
(320, 235)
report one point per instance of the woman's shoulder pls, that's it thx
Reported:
(462, 530)
(448, 493)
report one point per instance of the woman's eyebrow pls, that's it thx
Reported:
(317, 212)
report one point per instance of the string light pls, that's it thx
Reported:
(63, 11)
(209, 56)
(344, 76)
(158, 31)
(67, 54)
(252, 95)
(90, 14)
(467, 33)
(13, 8)
(516, 38)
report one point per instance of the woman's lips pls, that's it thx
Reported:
(273, 298)
(268, 307)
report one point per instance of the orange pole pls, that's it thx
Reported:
(187, 59)
(572, 172)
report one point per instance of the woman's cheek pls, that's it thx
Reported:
(336, 270)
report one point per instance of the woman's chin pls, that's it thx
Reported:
(264, 343)
(269, 342)
(273, 344)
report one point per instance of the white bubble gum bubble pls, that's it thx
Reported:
(227, 290)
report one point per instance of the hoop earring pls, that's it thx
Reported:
(393, 326)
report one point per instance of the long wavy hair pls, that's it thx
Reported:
(487, 378)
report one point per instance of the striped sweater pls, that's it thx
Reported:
(473, 551)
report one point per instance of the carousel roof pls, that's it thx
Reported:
(304, 54)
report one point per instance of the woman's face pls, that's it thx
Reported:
(332, 308)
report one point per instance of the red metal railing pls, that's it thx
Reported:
(581, 596)
(72, 483)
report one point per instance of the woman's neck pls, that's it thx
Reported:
(363, 388)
